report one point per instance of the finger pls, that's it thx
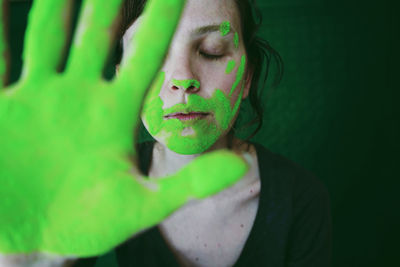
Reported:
(203, 177)
(46, 36)
(147, 52)
(3, 45)
(93, 37)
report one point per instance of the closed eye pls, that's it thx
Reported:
(210, 56)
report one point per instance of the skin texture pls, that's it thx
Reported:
(68, 184)
(222, 80)
(236, 40)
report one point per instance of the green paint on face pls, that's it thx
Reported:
(192, 136)
(230, 66)
(236, 40)
(238, 101)
(225, 28)
(186, 83)
(239, 75)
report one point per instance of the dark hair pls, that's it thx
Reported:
(259, 53)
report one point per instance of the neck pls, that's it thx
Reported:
(166, 161)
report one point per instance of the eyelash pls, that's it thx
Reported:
(209, 56)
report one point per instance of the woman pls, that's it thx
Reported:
(278, 214)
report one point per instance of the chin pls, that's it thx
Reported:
(190, 145)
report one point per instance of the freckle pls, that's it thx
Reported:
(251, 191)
(197, 237)
(205, 245)
(241, 225)
(197, 259)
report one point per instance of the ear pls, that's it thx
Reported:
(247, 81)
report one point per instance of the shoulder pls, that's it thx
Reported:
(288, 175)
(304, 204)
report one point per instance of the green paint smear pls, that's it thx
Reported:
(236, 40)
(224, 28)
(89, 42)
(239, 75)
(230, 66)
(37, 57)
(201, 133)
(186, 83)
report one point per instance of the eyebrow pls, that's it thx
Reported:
(208, 29)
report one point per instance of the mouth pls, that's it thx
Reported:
(186, 116)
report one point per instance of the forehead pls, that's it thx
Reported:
(200, 13)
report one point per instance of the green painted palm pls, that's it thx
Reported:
(68, 184)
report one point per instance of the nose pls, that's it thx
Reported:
(182, 71)
(188, 85)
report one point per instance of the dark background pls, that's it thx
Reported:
(334, 112)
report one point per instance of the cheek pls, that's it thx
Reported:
(216, 77)
(152, 112)
(230, 79)
(232, 91)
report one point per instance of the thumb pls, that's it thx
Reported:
(209, 174)
(204, 176)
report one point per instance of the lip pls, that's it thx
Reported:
(186, 116)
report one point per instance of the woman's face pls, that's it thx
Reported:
(196, 97)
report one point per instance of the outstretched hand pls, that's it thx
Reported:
(67, 184)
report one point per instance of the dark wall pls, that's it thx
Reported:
(334, 112)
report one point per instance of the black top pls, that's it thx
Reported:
(292, 226)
